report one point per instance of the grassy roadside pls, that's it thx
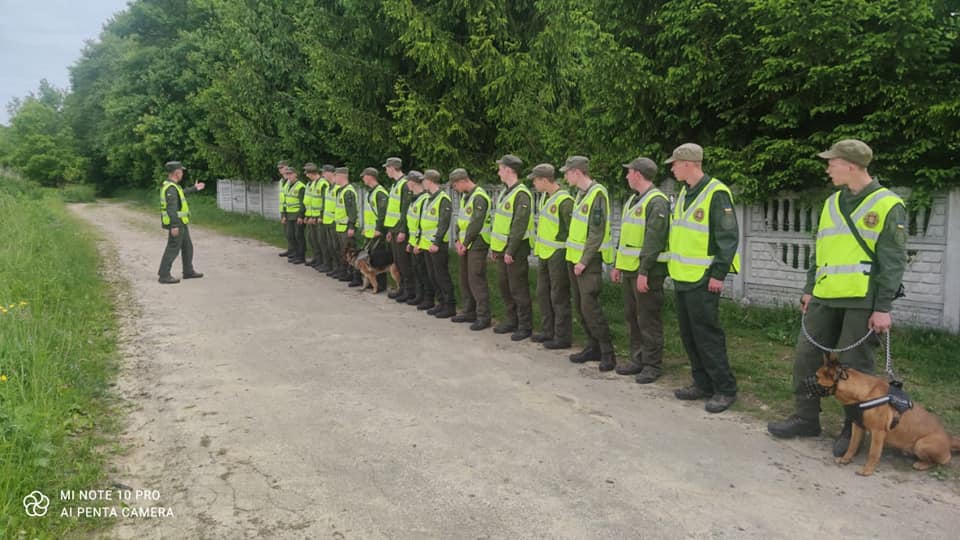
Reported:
(57, 360)
(760, 341)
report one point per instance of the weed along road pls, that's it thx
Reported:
(265, 401)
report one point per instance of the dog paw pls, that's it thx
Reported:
(865, 472)
(842, 460)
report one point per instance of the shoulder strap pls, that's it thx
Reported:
(856, 233)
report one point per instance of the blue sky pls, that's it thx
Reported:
(40, 39)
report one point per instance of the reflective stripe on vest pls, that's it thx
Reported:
(503, 219)
(291, 197)
(394, 204)
(340, 216)
(371, 212)
(579, 225)
(313, 198)
(548, 225)
(688, 255)
(413, 218)
(183, 214)
(430, 220)
(843, 268)
(330, 204)
(633, 227)
(466, 213)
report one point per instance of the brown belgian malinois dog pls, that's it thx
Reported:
(914, 429)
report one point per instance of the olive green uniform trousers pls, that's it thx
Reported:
(586, 300)
(553, 297)
(473, 284)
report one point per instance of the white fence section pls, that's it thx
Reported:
(775, 243)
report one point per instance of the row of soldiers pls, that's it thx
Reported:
(569, 234)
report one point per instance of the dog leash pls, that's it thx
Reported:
(889, 356)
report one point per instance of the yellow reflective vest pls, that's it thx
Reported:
(466, 213)
(290, 197)
(313, 198)
(843, 267)
(394, 203)
(413, 218)
(579, 225)
(687, 253)
(503, 219)
(330, 204)
(341, 217)
(183, 213)
(430, 220)
(370, 211)
(548, 225)
(633, 227)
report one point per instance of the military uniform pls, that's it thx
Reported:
(328, 229)
(175, 214)
(434, 245)
(293, 209)
(846, 283)
(396, 223)
(313, 203)
(424, 294)
(553, 278)
(374, 214)
(644, 227)
(473, 232)
(511, 234)
(346, 219)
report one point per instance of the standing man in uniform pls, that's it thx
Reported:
(644, 227)
(510, 243)
(553, 280)
(291, 215)
(396, 223)
(435, 243)
(174, 216)
(423, 291)
(473, 243)
(702, 249)
(852, 285)
(374, 214)
(588, 247)
(331, 242)
(313, 208)
(345, 217)
(281, 165)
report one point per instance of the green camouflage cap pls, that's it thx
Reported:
(342, 170)
(289, 169)
(644, 166)
(415, 176)
(370, 171)
(852, 150)
(282, 163)
(310, 168)
(329, 168)
(511, 161)
(459, 174)
(686, 152)
(543, 170)
(579, 163)
(433, 175)
(394, 162)
(171, 166)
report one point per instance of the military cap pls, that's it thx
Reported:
(342, 170)
(433, 175)
(459, 174)
(310, 168)
(511, 161)
(579, 163)
(329, 168)
(415, 176)
(370, 171)
(644, 166)
(852, 150)
(282, 163)
(171, 166)
(394, 162)
(543, 170)
(289, 169)
(686, 152)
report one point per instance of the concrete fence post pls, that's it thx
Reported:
(951, 286)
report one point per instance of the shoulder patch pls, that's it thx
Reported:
(871, 219)
(698, 215)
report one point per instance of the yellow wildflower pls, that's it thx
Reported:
(3, 378)
(23, 303)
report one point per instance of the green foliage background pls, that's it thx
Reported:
(232, 86)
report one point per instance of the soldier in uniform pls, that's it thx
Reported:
(331, 242)
(396, 223)
(644, 227)
(346, 218)
(510, 243)
(844, 296)
(374, 214)
(424, 295)
(702, 249)
(473, 243)
(588, 247)
(313, 204)
(435, 243)
(291, 215)
(553, 280)
(174, 216)
(281, 165)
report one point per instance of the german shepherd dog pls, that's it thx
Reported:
(370, 268)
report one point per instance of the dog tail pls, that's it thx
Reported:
(955, 444)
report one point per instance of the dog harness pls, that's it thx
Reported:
(896, 398)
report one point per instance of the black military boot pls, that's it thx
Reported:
(842, 443)
(608, 361)
(402, 297)
(505, 328)
(425, 305)
(480, 325)
(463, 317)
(284, 254)
(448, 310)
(520, 335)
(394, 294)
(795, 426)
(540, 338)
(555, 344)
(415, 300)
(435, 309)
(629, 367)
(590, 354)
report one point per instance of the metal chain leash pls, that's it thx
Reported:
(889, 354)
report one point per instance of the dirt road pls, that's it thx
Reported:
(268, 401)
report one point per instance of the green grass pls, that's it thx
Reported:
(75, 193)
(57, 360)
(760, 341)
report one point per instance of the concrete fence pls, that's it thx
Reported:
(776, 238)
